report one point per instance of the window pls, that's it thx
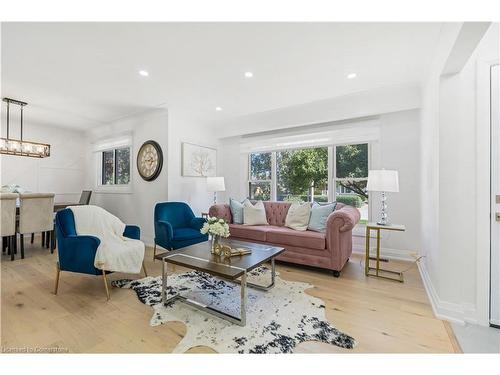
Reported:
(351, 177)
(115, 166)
(259, 185)
(302, 175)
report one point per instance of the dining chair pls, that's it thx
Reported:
(8, 227)
(36, 214)
(85, 197)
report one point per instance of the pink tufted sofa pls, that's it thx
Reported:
(329, 250)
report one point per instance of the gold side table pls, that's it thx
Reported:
(377, 271)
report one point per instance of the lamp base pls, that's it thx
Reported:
(383, 213)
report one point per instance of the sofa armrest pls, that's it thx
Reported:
(132, 231)
(345, 218)
(197, 222)
(77, 253)
(165, 230)
(221, 211)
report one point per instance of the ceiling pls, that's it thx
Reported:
(82, 75)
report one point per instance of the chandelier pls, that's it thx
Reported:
(20, 147)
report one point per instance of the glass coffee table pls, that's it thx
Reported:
(233, 269)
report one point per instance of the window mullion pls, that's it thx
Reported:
(115, 180)
(273, 177)
(331, 173)
(102, 169)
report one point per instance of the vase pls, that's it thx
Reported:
(215, 244)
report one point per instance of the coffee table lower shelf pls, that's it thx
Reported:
(240, 320)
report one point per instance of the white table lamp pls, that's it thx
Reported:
(215, 184)
(385, 181)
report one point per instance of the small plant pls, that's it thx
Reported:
(215, 227)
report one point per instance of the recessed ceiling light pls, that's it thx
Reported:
(248, 74)
(351, 75)
(218, 108)
(143, 73)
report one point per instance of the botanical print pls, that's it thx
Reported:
(198, 161)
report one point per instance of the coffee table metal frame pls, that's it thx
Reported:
(240, 320)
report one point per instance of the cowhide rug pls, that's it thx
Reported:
(277, 320)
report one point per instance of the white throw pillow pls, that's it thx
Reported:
(254, 214)
(298, 216)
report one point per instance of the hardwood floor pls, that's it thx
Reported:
(383, 316)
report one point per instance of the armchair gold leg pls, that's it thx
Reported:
(105, 283)
(144, 269)
(58, 272)
(154, 252)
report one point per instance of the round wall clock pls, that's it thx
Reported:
(149, 160)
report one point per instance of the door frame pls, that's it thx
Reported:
(494, 235)
(483, 191)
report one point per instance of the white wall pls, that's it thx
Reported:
(63, 173)
(400, 149)
(356, 105)
(394, 139)
(452, 268)
(136, 206)
(169, 130)
(184, 127)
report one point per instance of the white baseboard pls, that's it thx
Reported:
(395, 254)
(452, 312)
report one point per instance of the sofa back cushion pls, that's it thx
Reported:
(276, 212)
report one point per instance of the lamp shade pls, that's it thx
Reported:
(215, 184)
(383, 180)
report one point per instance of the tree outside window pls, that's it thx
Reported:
(302, 175)
(116, 166)
(351, 176)
(260, 176)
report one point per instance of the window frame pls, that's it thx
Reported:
(332, 170)
(335, 179)
(100, 187)
(271, 181)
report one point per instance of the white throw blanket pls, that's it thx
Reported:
(115, 252)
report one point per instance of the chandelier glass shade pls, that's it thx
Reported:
(20, 147)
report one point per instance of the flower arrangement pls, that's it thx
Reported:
(217, 228)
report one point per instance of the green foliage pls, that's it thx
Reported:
(350, 200)
(260, 191)
(303, 198)
(352, 161)
(260, 166)
(300, 170)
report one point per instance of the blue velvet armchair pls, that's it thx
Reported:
(77, 253)
(176, 226)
